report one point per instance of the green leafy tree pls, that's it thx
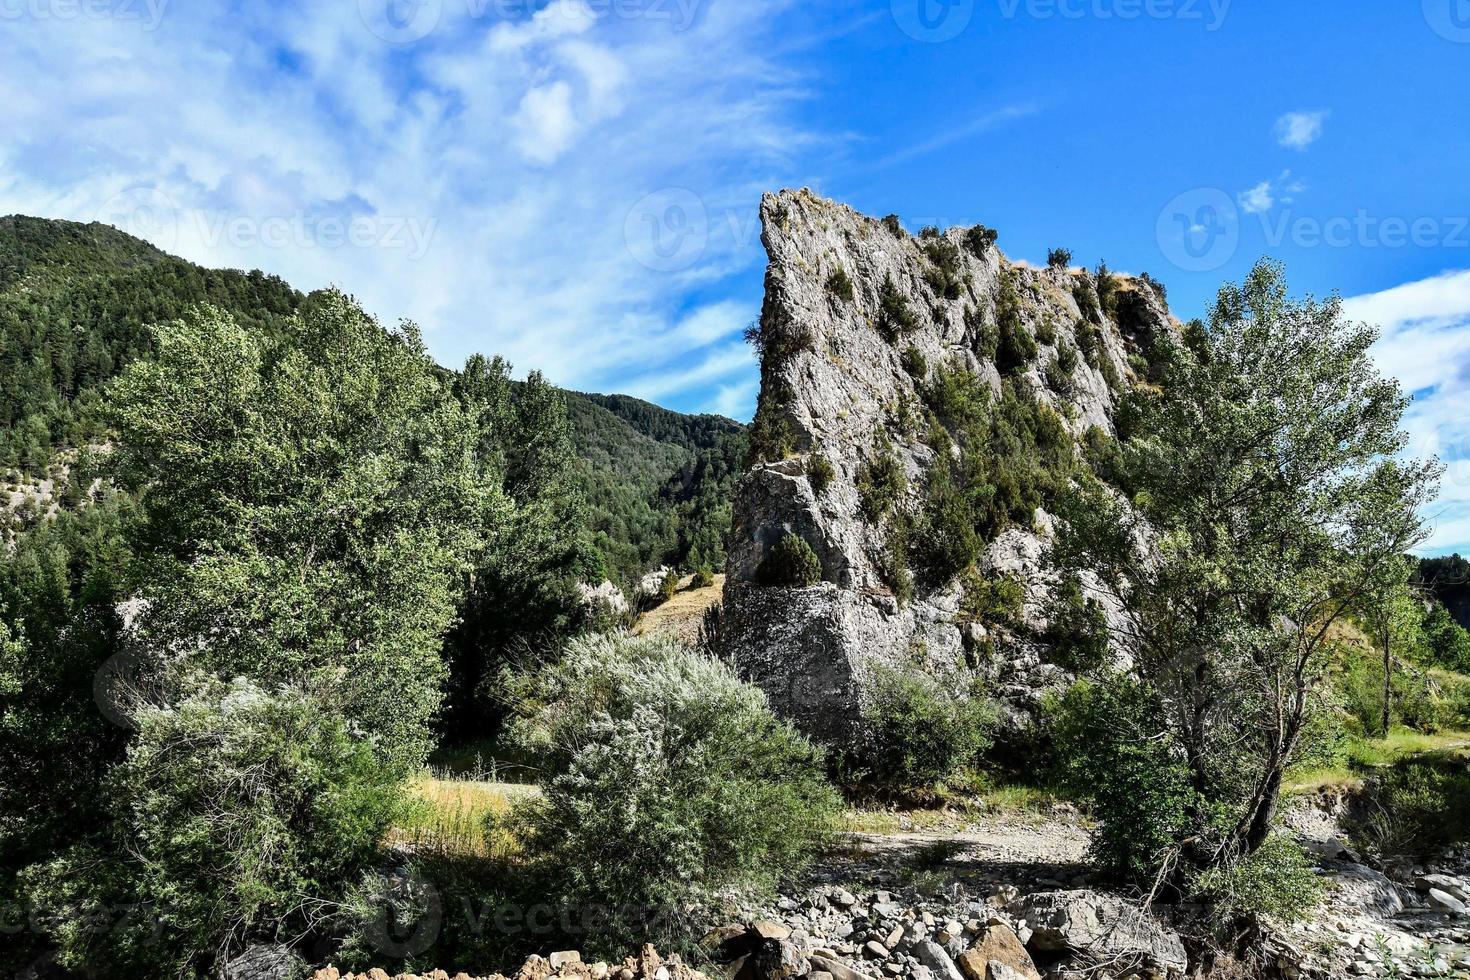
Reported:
(313, 503)
(1271, 494)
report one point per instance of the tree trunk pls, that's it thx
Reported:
(1387, 679)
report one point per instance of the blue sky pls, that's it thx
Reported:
(574, 184)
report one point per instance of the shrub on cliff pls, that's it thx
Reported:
(667, 779)
(894, 316)
(792, 562)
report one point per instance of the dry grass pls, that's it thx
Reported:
(456, 817)
(682, 614)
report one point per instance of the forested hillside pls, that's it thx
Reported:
(76, 302)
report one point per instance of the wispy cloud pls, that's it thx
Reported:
(967, 130)
(1426, 345)
(1299, 130)
(576, 190)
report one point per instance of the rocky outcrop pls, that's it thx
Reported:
(1105, 928)
(859, 319)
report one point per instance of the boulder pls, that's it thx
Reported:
(264, 961)
(836, 969)
(1100, 927)
(932, 955)
(999, 947)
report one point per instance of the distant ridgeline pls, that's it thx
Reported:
(76, 302)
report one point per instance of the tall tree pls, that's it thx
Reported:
(1269, 498)
(313, 503)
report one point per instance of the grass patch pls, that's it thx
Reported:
(1364, 755)
(457, 817)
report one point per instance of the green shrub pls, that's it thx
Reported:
(669, 587)
(943, 275)
(944, 541)
(820, 473)
(236, 815)
(792, 562)
(1016, 348)
(1077, 629)
(992, 601)
(980, 239)
(894, 316)
(919, 733)
(1277, 881)
(984, 334)
(1448, 642)
(893, 562)
(914, 363)
(667, 780)
(881, 482)
(1046, 331)
(957, 396)
(1109, 287)
(1417, 806)
(704, 577)
(839, 285)
(1059, 258)
(1113, 751)
(1086, 297)
(894, 225)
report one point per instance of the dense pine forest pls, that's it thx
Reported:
(75, 304)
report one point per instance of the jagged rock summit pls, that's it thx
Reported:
(871, 340)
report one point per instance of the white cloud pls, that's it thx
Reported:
(545, 122)
(1258, 199)
(1299, 130)
(498, 162)
(1268, 193)
(1426, 345)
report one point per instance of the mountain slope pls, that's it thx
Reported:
(76, 301)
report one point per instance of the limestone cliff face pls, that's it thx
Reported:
(849, 300)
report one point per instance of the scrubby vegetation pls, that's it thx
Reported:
(667, 780)
(920, 732)
(895, 318)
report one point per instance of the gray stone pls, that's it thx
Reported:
(838, 969)
(1446, 901)
(1102, 927)
(264, 962)
(935, 958)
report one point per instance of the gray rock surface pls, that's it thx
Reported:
(837, 387)
(1103, 927)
